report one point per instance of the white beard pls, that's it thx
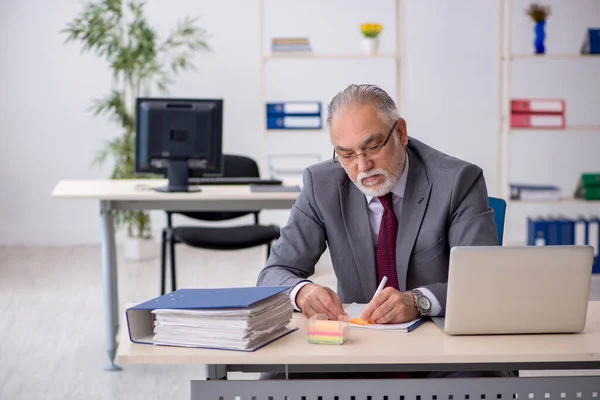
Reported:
(391, 178)
(380, 189)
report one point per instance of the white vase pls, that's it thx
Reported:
(370, 46)
(136, 249)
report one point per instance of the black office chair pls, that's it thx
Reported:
(217, 238)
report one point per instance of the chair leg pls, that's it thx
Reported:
(163, 262)
(172, 254)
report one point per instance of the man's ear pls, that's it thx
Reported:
(402, 131)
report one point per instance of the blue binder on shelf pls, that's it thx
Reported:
(591, 42)
(294, 115)
(593, 237)
(294, 122)
(538, 232)
(565, 231)
(140, 319)
(294, 108)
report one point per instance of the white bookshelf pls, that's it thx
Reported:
(506, 58)
(267, 57)
(554, 56)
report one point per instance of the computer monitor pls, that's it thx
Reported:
(179, 138)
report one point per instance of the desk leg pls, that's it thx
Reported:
(109, 283)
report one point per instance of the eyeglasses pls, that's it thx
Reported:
(371, 150)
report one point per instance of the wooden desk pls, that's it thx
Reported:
(427, 348)
(424, 348)
(138, 195)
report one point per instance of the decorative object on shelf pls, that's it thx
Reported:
(539, 14)
(591, 42)
(588, 187)
(290, 45)
(294, 115)
(118, 32)
(534, 192)
(371, 31)
(538, 113)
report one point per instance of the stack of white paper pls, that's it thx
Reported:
(233, 329)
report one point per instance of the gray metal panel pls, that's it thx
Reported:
(301, 368)
(575, 388)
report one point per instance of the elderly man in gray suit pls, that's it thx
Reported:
(385, 205)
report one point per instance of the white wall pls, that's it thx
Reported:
(451, 90)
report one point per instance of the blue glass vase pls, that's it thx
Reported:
(540, 36)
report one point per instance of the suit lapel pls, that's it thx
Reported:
(356, 221)
(414, 204)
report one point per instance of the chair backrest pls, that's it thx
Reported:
(499, 207)
(233, 167)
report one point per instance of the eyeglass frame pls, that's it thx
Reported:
(365, 152)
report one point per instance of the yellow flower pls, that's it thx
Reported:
(371, 29)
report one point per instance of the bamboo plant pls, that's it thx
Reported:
(118, 32)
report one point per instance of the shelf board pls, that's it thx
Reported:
(325, 56)
(563, 201)
(574, 128)
(284, 131)
(565, 56)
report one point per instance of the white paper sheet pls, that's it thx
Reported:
(354, 310)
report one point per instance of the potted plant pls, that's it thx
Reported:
(371, 31)
(539, 14)
(119, 33)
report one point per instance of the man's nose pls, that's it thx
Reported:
(364, 164)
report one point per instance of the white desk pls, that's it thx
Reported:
(425, 349)
(137, 195)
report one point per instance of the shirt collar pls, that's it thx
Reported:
(400, 186)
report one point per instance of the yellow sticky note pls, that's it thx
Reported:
(359, 321)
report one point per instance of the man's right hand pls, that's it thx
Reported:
(316, 299)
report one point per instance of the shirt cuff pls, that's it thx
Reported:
(294, 293)
(436, 307)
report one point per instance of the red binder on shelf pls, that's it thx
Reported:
(538, 106)
(540, 121)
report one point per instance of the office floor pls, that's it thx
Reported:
(52, 321)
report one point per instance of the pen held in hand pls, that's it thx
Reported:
(379, 289)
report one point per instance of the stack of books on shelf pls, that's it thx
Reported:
(290, 45)
(591, 42)
(534, 192)
(243, 319)
(564, 231)
(294, 115)
(588, 187)
(538, 113)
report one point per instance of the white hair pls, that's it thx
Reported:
(355, 95)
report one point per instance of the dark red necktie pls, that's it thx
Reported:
(386, 243)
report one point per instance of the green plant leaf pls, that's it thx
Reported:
(130, 47)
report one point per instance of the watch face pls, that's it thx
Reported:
(423, 302)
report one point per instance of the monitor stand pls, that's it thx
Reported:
(178, 174)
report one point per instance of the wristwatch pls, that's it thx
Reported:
(422, 303)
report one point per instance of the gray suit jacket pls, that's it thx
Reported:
(445, 205)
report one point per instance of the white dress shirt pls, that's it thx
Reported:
(375, 216)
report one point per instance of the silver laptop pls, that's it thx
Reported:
(509, 290)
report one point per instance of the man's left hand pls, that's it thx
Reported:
(390, 307)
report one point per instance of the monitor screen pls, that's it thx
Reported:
(179, 130)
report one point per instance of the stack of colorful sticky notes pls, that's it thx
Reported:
(323, 331)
